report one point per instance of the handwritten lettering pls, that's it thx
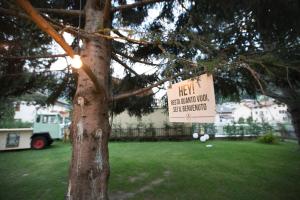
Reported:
(187, 89)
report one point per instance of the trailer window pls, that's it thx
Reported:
(12, 140)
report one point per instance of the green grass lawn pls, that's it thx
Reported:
(163, 170)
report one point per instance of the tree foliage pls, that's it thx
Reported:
(20, 38)
(250, 46)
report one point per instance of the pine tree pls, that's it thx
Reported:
(244, 44)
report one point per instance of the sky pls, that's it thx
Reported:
(140, 68)
(118, 72)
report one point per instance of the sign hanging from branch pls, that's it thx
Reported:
(192, 100)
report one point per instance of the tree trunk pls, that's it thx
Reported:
(89, 169)
(295, 114)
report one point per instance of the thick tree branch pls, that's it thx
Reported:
(121, 36)
(58, 91)
(137, 4)
(134, 59)
(70, 29)
(139, 91)
(45, 26)
(254, 61)
(124, 65)
(63, 12)
(74, 31)
(76, 13)
(33, 57)
(281, 98)
(5, 11)
(255, 76)
(56, 25)
(142, 90)
(288, 79)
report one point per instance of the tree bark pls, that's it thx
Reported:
(295, 114)
(89, 169)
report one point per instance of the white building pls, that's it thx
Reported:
(26, 111)
(224, 113)
(274, 113)
(260, 111)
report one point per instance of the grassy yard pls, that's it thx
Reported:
(163, 170)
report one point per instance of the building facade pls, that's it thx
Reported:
(26, 111)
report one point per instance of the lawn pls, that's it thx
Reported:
(163, 170)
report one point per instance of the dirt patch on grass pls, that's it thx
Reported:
(121, 195)
(141, 176)
(150, 185)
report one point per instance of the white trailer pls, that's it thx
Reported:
(17, 138)
(46, 127)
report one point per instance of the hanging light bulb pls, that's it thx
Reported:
(76, 62)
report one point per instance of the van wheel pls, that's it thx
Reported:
(38, 143)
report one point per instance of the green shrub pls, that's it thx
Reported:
(254, 129)
(266, 127)
(129, 130)
(268, 138)
(15, 124)
(230, 129)
(150, 130)
(179, 127)
(241, 120)
(209, 129)
(167, 126)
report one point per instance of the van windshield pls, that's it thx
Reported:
(60, 119)
(48, 119)
(51, 119)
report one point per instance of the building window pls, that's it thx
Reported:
(12, 140)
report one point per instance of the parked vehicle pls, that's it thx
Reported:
(15, 138)
(46, 128)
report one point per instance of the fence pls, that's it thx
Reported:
(157, 134)
(185, 133)
(182, 133)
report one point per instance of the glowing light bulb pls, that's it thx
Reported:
(76, 62)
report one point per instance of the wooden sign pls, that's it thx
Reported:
(192, 100)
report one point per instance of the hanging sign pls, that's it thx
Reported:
(192, 100)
